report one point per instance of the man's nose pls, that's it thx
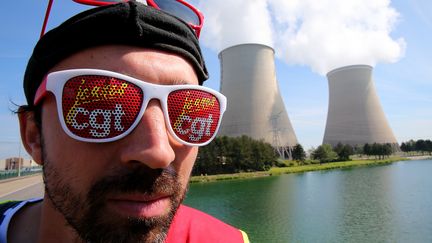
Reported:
(149, 142)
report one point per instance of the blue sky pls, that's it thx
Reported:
(404, 87)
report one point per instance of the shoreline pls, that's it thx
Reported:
(418, 157)
(276, 171)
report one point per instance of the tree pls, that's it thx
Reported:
(367, 149)
(358, 149)
(343, 151)
(298, 153)
(429, 146)
(324, 153)
(387, 149)
(420, 145)
(338, 148)
(264, 155)
(346, 152)
(411, 145)
(404, 147)
(309, 152)
(231, 155)
(377, 150)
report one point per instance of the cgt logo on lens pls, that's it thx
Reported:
(194, 114)
(96, 107)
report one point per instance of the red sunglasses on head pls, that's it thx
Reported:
(178, 8)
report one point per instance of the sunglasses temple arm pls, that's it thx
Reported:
(47, 13)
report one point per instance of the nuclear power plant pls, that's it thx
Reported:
(355, 116)
(255, 107)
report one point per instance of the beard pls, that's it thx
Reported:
(88, 214)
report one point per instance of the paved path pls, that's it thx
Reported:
(24, 188)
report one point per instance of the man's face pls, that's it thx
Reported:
(127, 190)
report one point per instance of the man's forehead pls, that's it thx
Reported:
(142, 63)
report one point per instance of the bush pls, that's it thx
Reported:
(280, 163)
(324, 153)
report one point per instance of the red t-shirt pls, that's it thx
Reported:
(192, 226)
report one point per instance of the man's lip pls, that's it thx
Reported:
(137, 197)
(140, 206)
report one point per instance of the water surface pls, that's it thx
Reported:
(391, 203)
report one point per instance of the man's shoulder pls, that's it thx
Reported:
(7, 211)
(191, 225)
(5, 206)
(8, 204)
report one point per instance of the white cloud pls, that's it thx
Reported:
(229, 23)
(323, 34)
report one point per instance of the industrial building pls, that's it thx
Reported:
(255, 106)
(355, 115)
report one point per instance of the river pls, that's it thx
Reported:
(391, 203)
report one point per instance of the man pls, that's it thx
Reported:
(114, 116)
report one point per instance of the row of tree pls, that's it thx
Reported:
(324, 153)
(234, 154)
(342, 152)
(240, 154)
(379, 150)
(423, 146)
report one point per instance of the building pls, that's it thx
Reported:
(255, 107)
(14, 163)
(355, 115)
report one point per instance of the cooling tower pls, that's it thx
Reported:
(355, 115)
(255, 107)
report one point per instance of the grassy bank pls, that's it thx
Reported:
(333, 165)
(222, 177)
(296, 169)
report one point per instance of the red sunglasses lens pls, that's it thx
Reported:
(99, 107)
(194, 115)
(179, 10)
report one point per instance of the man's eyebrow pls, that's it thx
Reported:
(180, 82)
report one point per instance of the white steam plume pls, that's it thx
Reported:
(228, 23)
(323, 34)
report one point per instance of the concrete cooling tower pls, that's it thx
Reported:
(355, 115)
(255, 107)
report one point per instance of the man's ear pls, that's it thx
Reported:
(30, 135)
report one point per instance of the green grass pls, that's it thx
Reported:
(332, 165)
(296, 169)
(222, 177)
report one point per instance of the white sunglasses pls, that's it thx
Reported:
(103, 106)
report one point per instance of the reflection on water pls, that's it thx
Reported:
(366, 206)
(372, 204)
